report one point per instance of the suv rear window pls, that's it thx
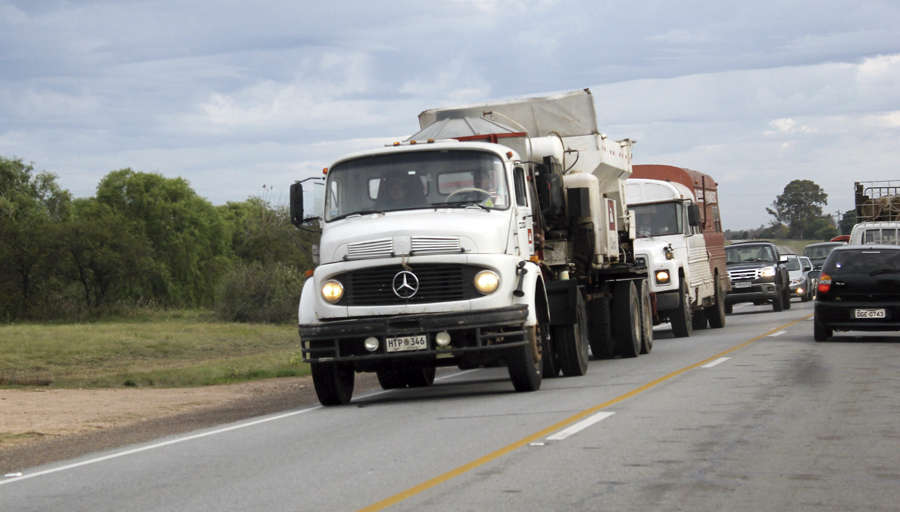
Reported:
(863, 261)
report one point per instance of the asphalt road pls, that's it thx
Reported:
(755, 416)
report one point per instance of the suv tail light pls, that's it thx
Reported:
(824, 283)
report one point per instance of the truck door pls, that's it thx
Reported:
(698, 260)
(524, 217)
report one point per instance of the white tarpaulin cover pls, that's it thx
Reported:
(568, 114)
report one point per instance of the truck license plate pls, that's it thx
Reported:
(406, 343)
(741, 284)
(868, 313)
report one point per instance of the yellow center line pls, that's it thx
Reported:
(424, 486)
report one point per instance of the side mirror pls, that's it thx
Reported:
(296, 204)
(694, 215)
(783, 259)
(814, 273)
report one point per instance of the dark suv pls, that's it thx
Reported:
(758, 274)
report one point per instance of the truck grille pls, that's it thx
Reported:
(434, 244)
(738, 275)
(371, 249)
(437, 283)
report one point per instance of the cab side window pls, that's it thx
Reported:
(521, 187)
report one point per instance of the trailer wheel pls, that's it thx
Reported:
(599, 328)
(419, 376)
(390, 378)
(571, 343)
(524, 362)
(716, 313)
(682, 323)
(646, 319)
(333, 382)
(627, 319)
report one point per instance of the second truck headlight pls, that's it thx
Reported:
(332, 291)
(662, 277)
(487, 281)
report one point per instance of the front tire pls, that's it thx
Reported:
(419, 376)
(646, 319)
(334, 382)
(778, 302)
(524, 362)
(600, 328)
(681, 318)
(571, 343)
(716, 313)
(787, 297)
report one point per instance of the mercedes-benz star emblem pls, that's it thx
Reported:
(406, 284)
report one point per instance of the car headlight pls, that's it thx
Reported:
(332, 291)
(768, 272)
(662, 277)
(487, 281)
(797, 280)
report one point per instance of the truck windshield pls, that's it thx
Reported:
(415, 180)
(657, 219)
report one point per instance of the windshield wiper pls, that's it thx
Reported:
(361, 212)
(884, 271)
(461, 203)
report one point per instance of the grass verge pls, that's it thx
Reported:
(165, 349)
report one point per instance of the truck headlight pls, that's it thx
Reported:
(332, 291)
(768, 272)
(662, 277)
(487, 281)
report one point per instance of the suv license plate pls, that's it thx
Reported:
(741, 284)
(406, 343)
(868, 313)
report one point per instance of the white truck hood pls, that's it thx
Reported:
(472, 230)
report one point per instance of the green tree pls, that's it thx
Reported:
(847, 222)
(821, 229)
(29, 205)
(263, 233)
(799, 204)
(105, 254)
(188, 234)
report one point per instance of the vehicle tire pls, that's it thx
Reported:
(778, 302)
(600, 328)
(390, 377)
(716, 313)
(680, 318)
(524, 362)
(419, 376)
(808, 295)
(548, 355)
(698, 320)
(821, 333)
(333, 382)
(729, 308)
(787, 297)
(627, 319)
(646, 319)
(571, 343)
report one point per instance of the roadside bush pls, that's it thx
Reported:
(256, 293)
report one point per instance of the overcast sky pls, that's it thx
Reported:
(234, 96)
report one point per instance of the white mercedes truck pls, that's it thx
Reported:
(497, 235)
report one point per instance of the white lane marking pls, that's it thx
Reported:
(717, 361)
(158, 445)
(18, 477)
(774, 334)
(578, 427)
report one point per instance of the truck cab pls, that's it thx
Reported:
(685, 282)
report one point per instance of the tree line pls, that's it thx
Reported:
(142, 240)
(797, 214)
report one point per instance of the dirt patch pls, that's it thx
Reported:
(41, 426)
